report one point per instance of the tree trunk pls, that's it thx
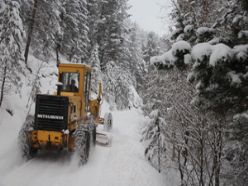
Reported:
(219, 151)
(57, 54)
(180, 165)
(30, 30)
(173, 147)
(159, 146)
(3, 85)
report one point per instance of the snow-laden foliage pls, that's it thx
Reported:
(220, 76)
(199, 114)
(94, 62)
(74, 41)
(151, 47)
(175, 56)
(153, 135)
(164, 61)
(204, 32)
(11, 38)
(186, 132)
(116, 86)
(221, 69)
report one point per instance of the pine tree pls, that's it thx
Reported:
(75, 31)
(43, 27)
(11, 38)
(151, 47)
(94, 20)
(96, 75)
(111, 30)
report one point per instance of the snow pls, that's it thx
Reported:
(236, 19)
(165, 59)
(238, 116)
(241, 52)
(135, 99)
(121, 164)
(187, 59)
(214, 41)
(203, 30)
(180, 46)
(188, 28)
(168, 58)
(176, 32)
(235, 79)
(201, 50)
(243, 34)
(221, 53)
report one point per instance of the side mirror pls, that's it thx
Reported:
(59, 87)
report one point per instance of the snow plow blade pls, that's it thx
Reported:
(103, 138)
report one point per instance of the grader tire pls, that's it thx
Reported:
(94, 136)
(82, 143)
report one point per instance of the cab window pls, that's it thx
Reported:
(70, 81)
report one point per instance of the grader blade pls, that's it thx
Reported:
(103, 138)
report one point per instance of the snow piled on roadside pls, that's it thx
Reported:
(19, 105)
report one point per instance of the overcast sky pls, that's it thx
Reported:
(148, 14)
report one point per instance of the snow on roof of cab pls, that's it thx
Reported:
(79, 65)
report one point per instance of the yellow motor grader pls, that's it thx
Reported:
(68, 119)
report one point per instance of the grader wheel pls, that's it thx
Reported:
(82, 144)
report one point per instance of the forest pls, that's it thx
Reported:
(193, 81)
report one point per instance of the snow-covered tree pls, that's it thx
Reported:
(75, 41)
(153, 135)
(117, 86)
(11, 38)
(96, 75)
(43, 25)
(94, 10)
(219, 73)
(151, 47)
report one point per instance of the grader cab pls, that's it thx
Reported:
(68, 119)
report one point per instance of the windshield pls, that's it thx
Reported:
(70, 81)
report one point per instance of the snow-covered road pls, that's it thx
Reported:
(121, 164)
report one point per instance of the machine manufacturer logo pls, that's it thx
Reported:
(45, 116)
